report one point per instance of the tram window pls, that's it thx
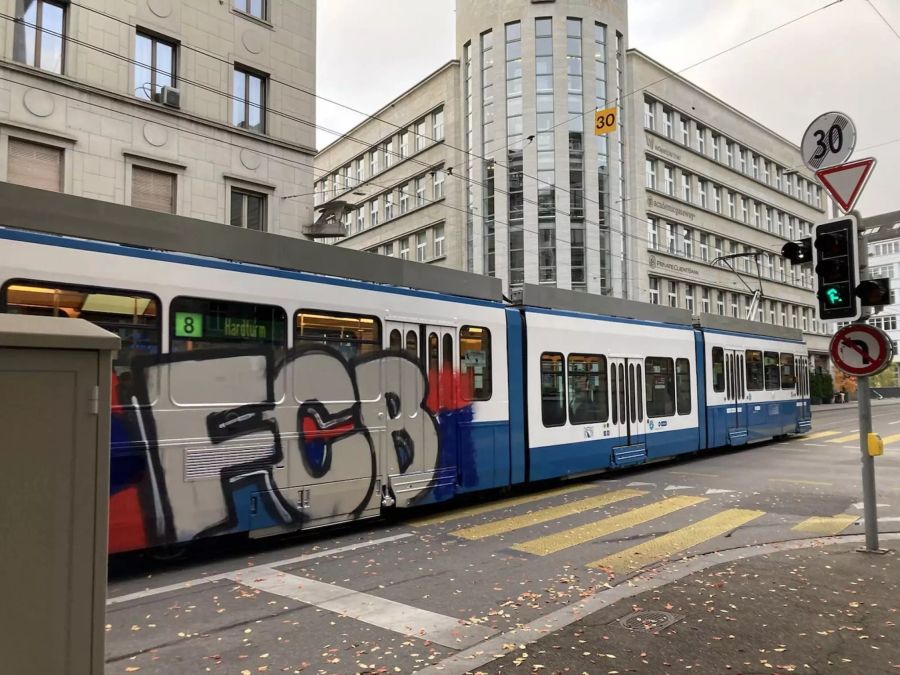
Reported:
(396, 339)
(553, 390)
(412, 344)
(683, 385)
(134, 317)
(754, 370)
(200, 323)
(718, 369)
(742, 390)
(476, 383)
(447, 356)
(640, 394)
(614, 396)
(350, 334)
(788, 374)
(729, 379)
(587, 388)
(631, 404)
(660, 378)
(771, 369)
(433, 355)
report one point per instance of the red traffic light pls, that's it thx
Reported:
(798, 252)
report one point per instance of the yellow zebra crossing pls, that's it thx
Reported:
(544, 515)
(659, 548)
(826, 525)
(552, 543)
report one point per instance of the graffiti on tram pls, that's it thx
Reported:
(226, 451)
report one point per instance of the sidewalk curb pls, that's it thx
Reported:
(648, 579)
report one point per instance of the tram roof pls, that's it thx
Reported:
(31, 209)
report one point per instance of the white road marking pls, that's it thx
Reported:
(192, 583)
(679, 487)
(640, 484)
(893, 423)
(717, 491)
(859, 505)
(816, 445)
(371, 609)
(890, 519)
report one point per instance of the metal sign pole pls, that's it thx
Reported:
(868, 466)
(864, 396)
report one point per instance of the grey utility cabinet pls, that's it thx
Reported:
(54, 493)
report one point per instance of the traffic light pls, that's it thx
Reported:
(837, 268)
(874, 292)
(798, 252)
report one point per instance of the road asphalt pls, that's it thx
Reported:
(820, 609)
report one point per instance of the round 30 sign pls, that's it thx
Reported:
(862, 350)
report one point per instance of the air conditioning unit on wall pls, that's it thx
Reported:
(170, 96)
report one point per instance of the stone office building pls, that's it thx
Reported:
(197, 108)
(514, 185)
(707, 182)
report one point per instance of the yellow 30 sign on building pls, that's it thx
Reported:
(605, 121)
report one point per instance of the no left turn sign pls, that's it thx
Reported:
(862, 350)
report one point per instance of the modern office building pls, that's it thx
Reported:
(707, 182)
(524, 187)
(198, 108)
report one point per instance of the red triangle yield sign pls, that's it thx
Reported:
(846, 181)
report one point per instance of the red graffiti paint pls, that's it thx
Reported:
(126, 522)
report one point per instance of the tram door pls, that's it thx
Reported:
(428, 381)
(803, 388)
(736, 395)
(627, 417)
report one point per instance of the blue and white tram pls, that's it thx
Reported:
(254, 398)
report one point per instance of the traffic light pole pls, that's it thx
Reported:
(870, 504)
(864, 396)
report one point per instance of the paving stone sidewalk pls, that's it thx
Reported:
(825, 609)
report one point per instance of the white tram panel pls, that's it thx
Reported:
(567, 334)
(187, 392)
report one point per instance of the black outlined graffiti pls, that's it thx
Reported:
(361, 420)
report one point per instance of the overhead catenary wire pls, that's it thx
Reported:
(586, 198)
(367, 117)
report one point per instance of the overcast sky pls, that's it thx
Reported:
(841, 58)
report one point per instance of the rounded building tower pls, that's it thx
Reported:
(544, 195)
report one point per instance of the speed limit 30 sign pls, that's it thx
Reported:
(860, 349)
(828, 141)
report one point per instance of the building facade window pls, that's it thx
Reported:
(373, 213)
(652, 234)
(651, 174)
(154, 66)
(404, 248)
(689, 297)
(438, 125)
(546, 174)
(717, 199)
(602, 145)
(649, 115)
(404, 144)
(420, 191)
(575, 109)
(152, 189)
(686, 192)
(248, 209)
(715, 141)
(421, 245)
(249, 101)
(514, 153)
(669, 179)
(388, 249)
(34, 165)
(701, 186)
(487, 149)
(685, 131)
(438, 185)
(668, 122)
(404, 199)
(439, 241)
(421, 138)
(673, 293)
(39, 35)
(256, 8)
(654, 290)
(704, 300)
(701, 140)
(704, 247)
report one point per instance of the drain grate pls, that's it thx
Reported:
(650, 621)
